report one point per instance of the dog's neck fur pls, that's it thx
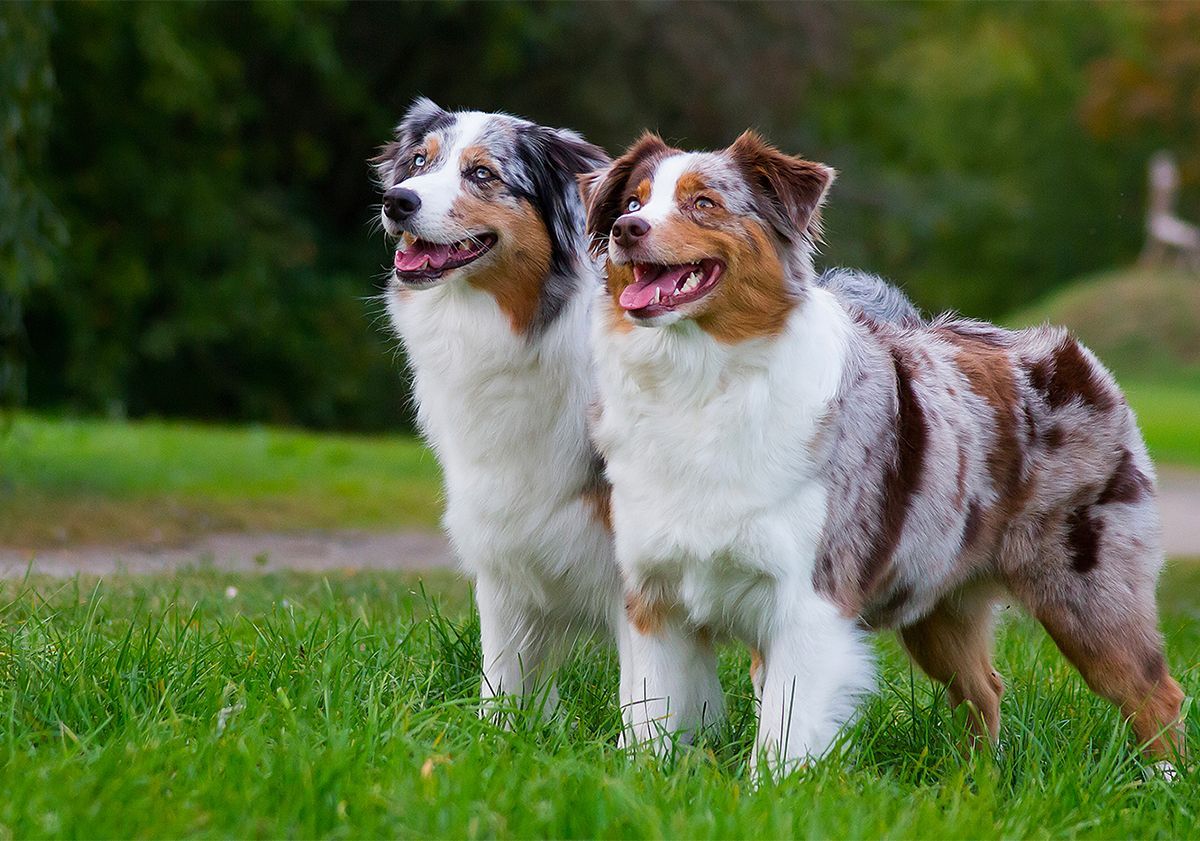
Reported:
(506, 414)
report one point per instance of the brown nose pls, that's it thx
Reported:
(627, 230)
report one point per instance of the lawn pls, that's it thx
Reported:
(94, 481)
(68, 481)
(217, 705)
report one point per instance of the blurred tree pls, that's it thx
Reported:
(30, 229)
(1144, 94)
(209, 161)
(211, 273)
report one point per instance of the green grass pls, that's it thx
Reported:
(1170, 419)
(94, 481)
(344, 707)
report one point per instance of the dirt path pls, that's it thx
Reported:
(260, 552)
(1179, 501)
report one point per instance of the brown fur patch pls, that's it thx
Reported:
(618, 277)
(990, 374)
(433, 146)
(1117, 664)
(598, 497)
(1068, 375)
(756, 664)
(1127, 484)
(688, 185)
(960, 479)
(789, 189)
(520, 260)
(956, 650)
(643, 191)
(1055, 437)
(903, 477)
(1083, 539)
(473, 156)
(752, 299)
(645, 615)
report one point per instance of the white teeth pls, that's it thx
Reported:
(657, 296)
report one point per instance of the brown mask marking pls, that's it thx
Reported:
(752, 300)
(520, 260)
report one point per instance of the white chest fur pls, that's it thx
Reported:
(506, 416)
(715, 497)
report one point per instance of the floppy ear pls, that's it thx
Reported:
(422, 117)
(552, 160)
(789, 190)
(602, 189)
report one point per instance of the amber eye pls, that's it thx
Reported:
(633, 205)
(482, 174)
(705, 203)
(419, 160)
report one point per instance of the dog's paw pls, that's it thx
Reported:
(1162, 770)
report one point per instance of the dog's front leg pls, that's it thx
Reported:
(815, 667)
(521, 649)
(669, 678)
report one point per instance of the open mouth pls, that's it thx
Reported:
(661, 289)
(423, 262)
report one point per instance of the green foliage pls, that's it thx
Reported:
(210, 705)
(208, 160)
(68, 481)
(30, 229)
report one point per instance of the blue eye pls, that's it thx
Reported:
(419, 160)
(633, 205)
(705, 203)
(482, 173)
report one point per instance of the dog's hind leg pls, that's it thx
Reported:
(1094, 594)
(953, 645)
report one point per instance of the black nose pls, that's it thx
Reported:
(399, 203)
(629, 229)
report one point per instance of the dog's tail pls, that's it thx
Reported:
(877, 299)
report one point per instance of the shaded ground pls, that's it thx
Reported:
(406, 550)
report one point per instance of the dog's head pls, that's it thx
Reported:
(723, 238)
(479, 196)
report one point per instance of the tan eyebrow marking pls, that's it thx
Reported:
(688, 184)
(643, 191)
(479, 156)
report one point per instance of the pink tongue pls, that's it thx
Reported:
(639, 295)
(414, 258)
